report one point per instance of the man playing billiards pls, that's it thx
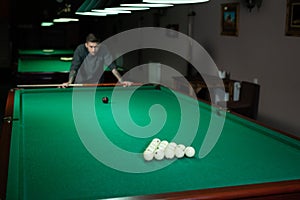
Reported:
(89, 60)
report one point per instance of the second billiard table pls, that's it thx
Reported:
(38, 66)
(67, 144)
(50, 67)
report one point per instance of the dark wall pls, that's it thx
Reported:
(26, 24)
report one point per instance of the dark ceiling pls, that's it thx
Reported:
(34, 11)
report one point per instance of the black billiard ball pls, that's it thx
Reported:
(105, 99)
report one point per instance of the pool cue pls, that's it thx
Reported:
(77, 85)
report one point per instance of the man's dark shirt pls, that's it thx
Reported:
(89, 68)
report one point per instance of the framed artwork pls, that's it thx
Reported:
(230, 19)
(292, 27)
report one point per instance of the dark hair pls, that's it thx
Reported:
(92, 38)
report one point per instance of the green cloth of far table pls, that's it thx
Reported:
(45, 52)
(47, 66)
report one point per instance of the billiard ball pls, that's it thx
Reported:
(189, 152)
(105, 99)
(169, 153)
(159, 154)
(179, 153)
(148, 155)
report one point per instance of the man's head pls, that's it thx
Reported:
(92, 43)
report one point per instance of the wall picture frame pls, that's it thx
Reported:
(292, 26)
(230, 19)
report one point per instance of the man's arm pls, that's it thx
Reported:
(118, 76)
(108, 61)
(78, 57)
(72, 75)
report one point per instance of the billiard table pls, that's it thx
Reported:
(45, 52)
(67, 144)
(37, 66)
(49, 67)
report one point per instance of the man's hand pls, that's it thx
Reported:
(126, 83)
(118, 76)
(64, 85)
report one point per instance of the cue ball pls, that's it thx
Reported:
(105, 99)
(189, 152)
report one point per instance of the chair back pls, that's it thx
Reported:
(249, 95)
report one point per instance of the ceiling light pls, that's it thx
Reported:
(111, 11)
(175, 1)
(91, 13)
(127, 8)
(152, 5)
(66, 20)
(47, 23)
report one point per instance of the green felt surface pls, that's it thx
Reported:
(44, 60)
(43, 65)
(45, 52)
(47, 65)
(41, 61)
(49, 160)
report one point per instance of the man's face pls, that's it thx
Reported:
(92, 47)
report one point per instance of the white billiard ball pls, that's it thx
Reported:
(159, 154)
(148, 155)
(155, 141)
(172, 144)
(181, 146)
(189, 151)
(179, 153)
(162, 145)
(169, 153)
(153, 145)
